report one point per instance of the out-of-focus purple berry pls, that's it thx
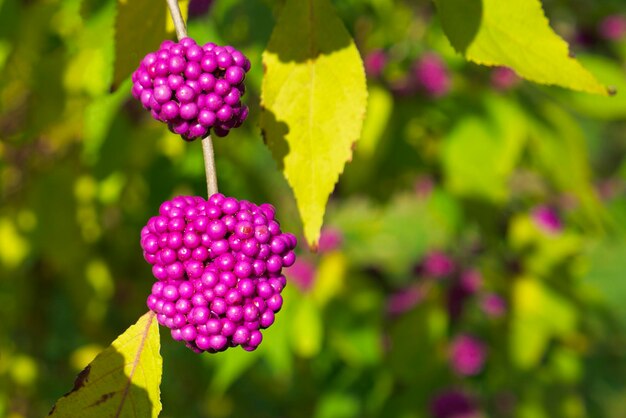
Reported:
(424, 186)
(454, 404)
(611, 188)
(547, 219)
(504, 78)
(467, 355)
(302, 273)
(471, 280)
(330, 239)
(437, 265)
(375, 63)
(493, 305)
(613, 28)
(431, 74)
(404, 300)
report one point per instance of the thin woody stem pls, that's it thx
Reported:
(209, 165)
(177, 17)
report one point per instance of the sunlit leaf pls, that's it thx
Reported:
(329, 278)
(314, 97)
(481, 152)
(13, 247)
(307, 329)
(539, 314)
(122, 381)
(605, 108)
(379, 110)
(543, 250)
(515, 34)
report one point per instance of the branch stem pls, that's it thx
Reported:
(207, 144)
(177, 17)
(209, 165)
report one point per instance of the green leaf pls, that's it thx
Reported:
(418, 336)
(493, 142)
(99, 116)
(337, 405)
(393, 237)
(140, 27)
(539, 314)
(558, 137)
(604, 280)
(330, 278)
(542, 251)
(122, 381)
(380, 108)
(306, 329)
(314, 98)
(515, 34)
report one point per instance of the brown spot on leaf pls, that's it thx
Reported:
(81, 379)
(103, 399)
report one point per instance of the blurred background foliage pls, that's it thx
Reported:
(472, 261)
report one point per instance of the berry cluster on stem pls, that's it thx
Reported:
(218, 265)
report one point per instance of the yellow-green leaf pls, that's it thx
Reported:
(494, 142)
(306, 329)
(539, 314)
(314, 97)
(122, 381)
(140, 26)
(515, 34)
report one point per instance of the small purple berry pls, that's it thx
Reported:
(241, 335)
(467, 355)
(185, 94)
(275, 302)
(170, 111)
(176, 64)
(224, 60)
(234, 75)
(188, 111)
(214, 101)
(267, 319)
(188, 333)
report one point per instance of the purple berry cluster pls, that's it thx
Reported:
(193, 88)
(218, 265)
